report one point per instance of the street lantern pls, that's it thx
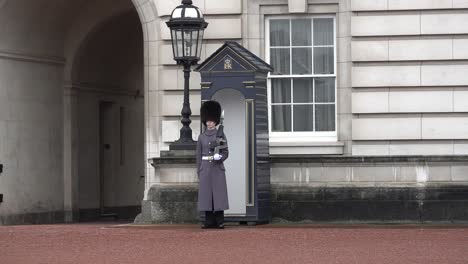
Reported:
(187, 27)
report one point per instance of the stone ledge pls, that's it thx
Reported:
(354, 204)
(56, 217)
(174, 157)
(367, 159)
(306, 148)
(19, 56)
(189, 158)
(356, 193)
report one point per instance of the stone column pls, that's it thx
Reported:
(70, 154)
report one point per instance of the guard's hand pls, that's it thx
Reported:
(217, 157)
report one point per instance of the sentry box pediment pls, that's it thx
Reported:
(237, 79)
(233, 57)
(233, 66)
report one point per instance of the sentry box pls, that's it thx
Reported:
(237, 79)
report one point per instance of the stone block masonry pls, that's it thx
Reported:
(446, 204)
(400, 189)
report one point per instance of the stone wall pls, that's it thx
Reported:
(401, 90)
(400, 72)
(31, 109)
(30, 137)
(38, 104)
(409, 78)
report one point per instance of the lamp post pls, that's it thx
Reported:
(187, 27)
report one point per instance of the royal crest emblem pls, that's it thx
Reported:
(227, 64)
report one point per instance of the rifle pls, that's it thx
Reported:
(221, 143)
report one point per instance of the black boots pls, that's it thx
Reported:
(205, 226)
(213, 220)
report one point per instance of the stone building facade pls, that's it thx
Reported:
(89, 93)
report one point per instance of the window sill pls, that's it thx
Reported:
(306, 148)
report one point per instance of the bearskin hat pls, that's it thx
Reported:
(210, 111)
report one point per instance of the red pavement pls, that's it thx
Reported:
(108, 243)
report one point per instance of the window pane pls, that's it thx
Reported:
(280, 61)
(301, 32)
(323, 61)
(281, 91)
(303, 90)
(323, 31)
(303, 118)
(279, 32)
(324, 90)
(325, 117)
(302, 60)
(281, 118)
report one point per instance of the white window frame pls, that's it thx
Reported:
(308, 136)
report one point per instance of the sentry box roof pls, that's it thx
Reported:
(234, 57)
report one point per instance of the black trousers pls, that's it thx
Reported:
(214, 218)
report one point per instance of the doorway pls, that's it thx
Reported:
(109, 143)
(108, 79)
(233, 105)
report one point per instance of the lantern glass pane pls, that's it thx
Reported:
(178, 44)
(190, 43)
(200, 42)
(196, 35)
(177, 13)
(173, 36)
(193, 43)
(191, 13)
(187, 42)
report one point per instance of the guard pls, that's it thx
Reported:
(212, 151)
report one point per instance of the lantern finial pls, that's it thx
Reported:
(187, 2)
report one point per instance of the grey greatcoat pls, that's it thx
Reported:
(212, 189)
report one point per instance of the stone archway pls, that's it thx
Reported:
(108, 85)
(40, 39)
(101, 55)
